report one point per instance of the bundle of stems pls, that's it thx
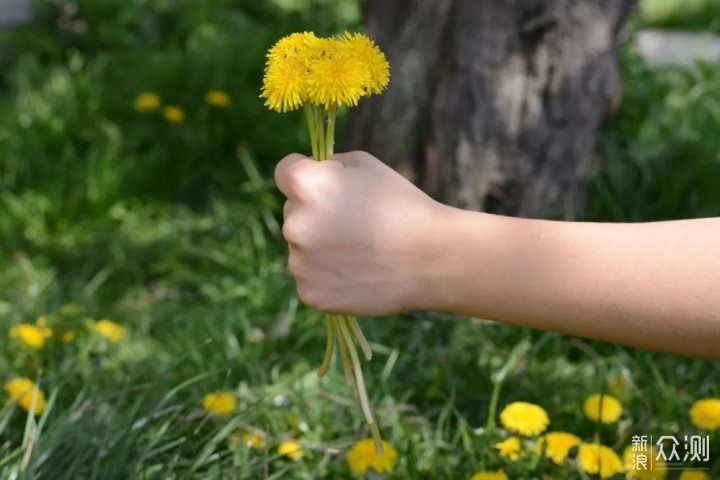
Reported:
(342, 330)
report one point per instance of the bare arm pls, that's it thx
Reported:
(648, 285)
(365, 241)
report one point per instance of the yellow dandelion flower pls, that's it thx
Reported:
(291, 46)
(217, 98)
(693, 475)
(644, 463)
(72, 309)
(67, 336)
(499, 475)
(174, 114)
(31, 335)
(291, 449)
(285, 85)
(557, 445)
(219, 403)
(602, 408)
(595, 458)
(337, 77)
(510, 448)
(23, 391)
(363, 457)
(705, 414)
(147, 102)
(248, 439)
(363, 48)
(525, 418)
(110, 330)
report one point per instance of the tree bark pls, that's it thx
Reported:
(493, 104)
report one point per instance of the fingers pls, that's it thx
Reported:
(355, 158)
(285, 168)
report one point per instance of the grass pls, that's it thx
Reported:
(681, 14)
(173, 232)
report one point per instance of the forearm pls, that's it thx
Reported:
(651, 285)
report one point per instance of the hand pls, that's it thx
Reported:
(361, 236)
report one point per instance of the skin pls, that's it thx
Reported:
(365, 241)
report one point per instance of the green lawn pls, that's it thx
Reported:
(172, 231)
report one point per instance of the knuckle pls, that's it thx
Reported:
(292, 231)
(309, 296)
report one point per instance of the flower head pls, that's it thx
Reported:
(284, 85)
(510, 448)
(249, 439)
(499, 475)
(147, 102)
(217, 98)
(602, 408)
(23, 392)
(595, 458)
(644, 463)
(705, 414)
(525, 418)
(219, 403)
(110, 330)
(557, 445)
(338, 77)
(67, 336)
(174, 114)
(291, 46)
(362, 456)
(31, 335)
(291, 449)
(372, 58)
(693, 475)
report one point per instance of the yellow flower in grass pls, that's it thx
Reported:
(525, 418)
(110, 330)
(31, 335)
(22, 391)
(174, 114)
(219, 403)
(248, 439)
(372, 58)
(693, 475)
(499, 475)
(602, 408)
(291, 449)
(510, 448)
(67, 336)
(705, 414)
(217, 98)
(595, 458)
(644, 463)
(147, 102)
(363, 457)
(557, 445)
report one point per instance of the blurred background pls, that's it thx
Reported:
(136, 187)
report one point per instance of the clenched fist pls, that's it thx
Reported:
(361, 237)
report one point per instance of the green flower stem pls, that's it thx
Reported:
(344, 354)
(360, 380)
(360, 337)
(310, 117)
(320, 129)
(330, 135)
(329, 347)
(341, 330)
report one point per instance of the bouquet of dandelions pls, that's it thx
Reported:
(321, 75)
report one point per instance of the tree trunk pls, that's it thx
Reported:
(493, 104)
